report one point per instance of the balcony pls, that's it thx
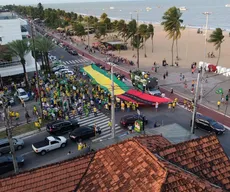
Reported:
(4, 64)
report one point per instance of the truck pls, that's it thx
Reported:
(48, 144)
(144, 82)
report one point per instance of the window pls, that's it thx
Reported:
(4, 145)
(53, 142)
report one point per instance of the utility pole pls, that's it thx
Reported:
(9, 136)
(138, 40)
(112, 103)
(88, 27)
(195, 101)
(36, 66)
(205, 53)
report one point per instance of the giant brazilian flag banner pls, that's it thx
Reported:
(103, 78)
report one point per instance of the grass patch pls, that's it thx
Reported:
(22, 129)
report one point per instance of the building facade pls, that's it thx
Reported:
(13, 28)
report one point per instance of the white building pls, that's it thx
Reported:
(14, 28)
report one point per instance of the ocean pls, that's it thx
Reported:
(192, 17)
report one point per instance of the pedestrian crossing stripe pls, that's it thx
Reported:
(78, 61)
(101, 121)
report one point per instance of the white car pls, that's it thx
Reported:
(48, 144)
(22, 95)
(59, 67)
(69, 72)
(52, 57)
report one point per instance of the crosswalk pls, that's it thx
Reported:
(76, 61)
(101, 121)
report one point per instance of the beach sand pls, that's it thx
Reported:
(191, 49)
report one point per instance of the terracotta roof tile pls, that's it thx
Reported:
(56, 177)
(127, 166)
(134, 168)
(153, 142)
(203, 156)
(178, 180)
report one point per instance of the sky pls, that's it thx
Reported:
(26, 2)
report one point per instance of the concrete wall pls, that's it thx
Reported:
(10, 30)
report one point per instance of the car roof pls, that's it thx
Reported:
(3, 140)
(204, 117)
(77, 130)
(21, 90)
(51, 138)
(4, 158)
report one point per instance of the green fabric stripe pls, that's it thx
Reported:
(122, 85)
(103, 87)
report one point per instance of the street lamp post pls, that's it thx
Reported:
(112, 103)
(205, 52)
(195, 102)
(36, 67)
(9, 135)
(88, 27)
(131, 16)
(138, 40)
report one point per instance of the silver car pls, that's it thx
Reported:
(5, 146)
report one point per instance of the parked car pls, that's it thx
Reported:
(7, 98)
(5, 146)
(6, 163)
(59, 67)
(84, 132)
(58, 73)
(208, 124)
(129, 120)
(48, 144)
(154, 92)
(62, 126)
(22, 94)
(69, 72)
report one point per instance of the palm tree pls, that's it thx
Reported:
(217, 38)
(172, 24)
(44, 45)
(151, 33)
(131, 30)
(137, 42)
(143, 31)
(20, 48)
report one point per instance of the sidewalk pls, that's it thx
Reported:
(205, 110)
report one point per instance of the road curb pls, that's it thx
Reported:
(31, 133)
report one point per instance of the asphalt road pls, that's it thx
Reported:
(163, 116)
(179, 116)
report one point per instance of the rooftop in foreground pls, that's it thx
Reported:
(146, 163)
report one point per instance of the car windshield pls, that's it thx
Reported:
(216, 125)
(22, 93)
(57, 138)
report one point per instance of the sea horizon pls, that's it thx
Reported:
(192, 17)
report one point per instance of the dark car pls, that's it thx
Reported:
(62, 126)
(6, 163)
(208, 124)
(73, 52)
(84, 132)
(129, 120)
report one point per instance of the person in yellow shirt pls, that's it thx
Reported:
(122, 106)
(17, 115)
(173, 106)
(218, 104)
(95, 111)
(170, 106)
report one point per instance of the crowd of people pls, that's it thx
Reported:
(67, 96)
(118, 60)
